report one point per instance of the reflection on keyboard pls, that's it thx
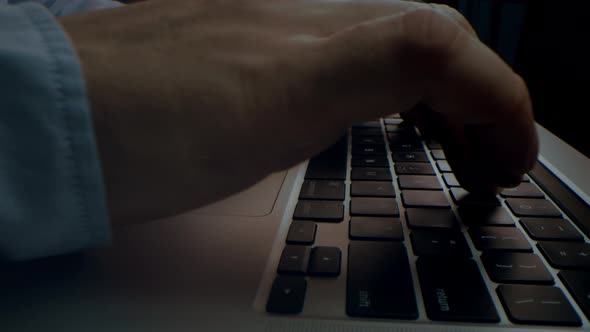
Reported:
(447, 233)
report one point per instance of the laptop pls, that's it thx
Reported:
(374, 234)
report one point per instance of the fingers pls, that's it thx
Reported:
(392, 63)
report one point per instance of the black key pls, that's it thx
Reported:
(431, 218)
(319, 210)
(370, 174)
(440, 244)
(524, 190)
(404, 142)
(425, 198)
(578, 284)
(414, 169)
(302, 232)
(366, 132)
(371, 228)
(393, 121)
(395, 128)
(287, 295)
(480, 216)
(542, 305)
(451, 180)
(433, 145)
(370, 161)
(532, 207)
(379, 207)
(324, 262)
(455, 291)
(322, 189)
(499, 239)
(368, 124)
(409, 156)
(566, 255)
(419, 182)
(294, 260)
(404, 136)
(379, 281)
(438, 154)
(368, 150)
(516, 268)
(372, 189)
(462, 197)
(551, 229)
(443, 166)
(367, 140)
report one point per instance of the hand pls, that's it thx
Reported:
(195, 100)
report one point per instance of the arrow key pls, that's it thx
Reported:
(325, 262)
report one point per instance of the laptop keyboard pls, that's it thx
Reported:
(405, 207)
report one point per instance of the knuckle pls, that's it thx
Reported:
(430, 30)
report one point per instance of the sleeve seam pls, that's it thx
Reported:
(57, 74)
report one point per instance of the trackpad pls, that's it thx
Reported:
(256, 201)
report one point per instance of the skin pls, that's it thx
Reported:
(195, 100)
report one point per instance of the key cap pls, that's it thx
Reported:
(438, 154)
(302, 232)
(294, 260)
(368, 149)
(379, 281)
(566, 255)
(322, 189)
(425, 198)
(578, 284)
(419, 182)
(414, 169)
(324, 262)
(499, 239)
(443, 166)
(372, 189)
(451, 180)
(371, 228)
(368, 124)
(287, 295)
(409, 156)
(541, 305)
(367, 140)
(431, 218)
(532, 207)
(516, 268)
(369, 161)
(393, 121)
(455, 291)
(319, 210)
(395, 128)
(462, 197)
(525, 190)
(432, 144)
(378, 207)
(438, 243)
(480, 216)
(366, 132)
(404, 142)
(370, 174)
(551, 229)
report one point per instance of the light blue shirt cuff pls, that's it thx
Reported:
(69, 7)
(52, 196)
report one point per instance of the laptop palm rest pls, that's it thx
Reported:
(256, 201)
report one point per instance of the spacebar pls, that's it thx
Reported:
(379, 281)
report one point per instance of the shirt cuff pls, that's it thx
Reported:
(52, 196)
